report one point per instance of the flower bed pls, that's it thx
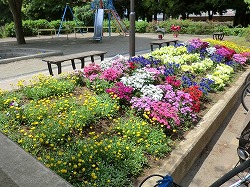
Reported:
(101, 126)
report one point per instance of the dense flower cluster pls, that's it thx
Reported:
(239, 58)
(170, 82)
(91, 70)
(111, 74)
(195, 45)
(138, 79)
(195, 94)
(121, 91)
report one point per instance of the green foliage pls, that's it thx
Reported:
(48, 86)
(151, 139)
(41, 24)
(29, 28)
(2, 32)
(114, 25)
(10, 29)
(3, 120)
(99, 85)
(187, 26)
(55, 24)
(247, 34)
(5, 14)
(141, 26)
(84, 14)
(7, 98)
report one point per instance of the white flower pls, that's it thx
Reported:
(105, 64)
(139, 78)
(152, 91)
(211, 50)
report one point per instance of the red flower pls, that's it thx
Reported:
(172, 80)
(132, 65)
(175, 28)
(195, 94)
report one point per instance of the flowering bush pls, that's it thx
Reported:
(111, 74)
(92, 70)
(121, 91)
(152, 91)
(175, 28)
(138, 79)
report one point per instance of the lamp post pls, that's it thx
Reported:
(132, 29)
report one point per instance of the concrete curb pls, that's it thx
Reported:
(19, 168)
(186, 153)
(24, 52)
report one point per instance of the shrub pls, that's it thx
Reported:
(84, 14)
(140, 26)
(55, 24)
(42, 24)
(10, 29)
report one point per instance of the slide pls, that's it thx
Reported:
(120, 23)
(98, 24)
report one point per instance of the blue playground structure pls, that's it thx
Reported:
(63, 18)
(101, 6)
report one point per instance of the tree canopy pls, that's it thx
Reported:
(144, 9)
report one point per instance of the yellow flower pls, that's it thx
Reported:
(93, 175)
(64, 171)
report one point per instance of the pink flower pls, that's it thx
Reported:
(239, 58)
(92, 69)
(122, 91)
(225, 52)
(111, 74)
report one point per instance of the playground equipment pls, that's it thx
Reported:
(102, 6)
(63, 18)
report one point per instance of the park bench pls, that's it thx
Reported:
(52, 32)
(161, 42)
(58, 60)
(87, 29)
(218, 36)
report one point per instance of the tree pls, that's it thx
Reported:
(15, 7)
(247, 2)
(5, 14)
(242, 13)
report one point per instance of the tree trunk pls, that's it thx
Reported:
(241, 18)
(15, 8)
(183, 16)
(149, 18)
(210, 15)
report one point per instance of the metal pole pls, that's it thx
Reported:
(132, 29)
